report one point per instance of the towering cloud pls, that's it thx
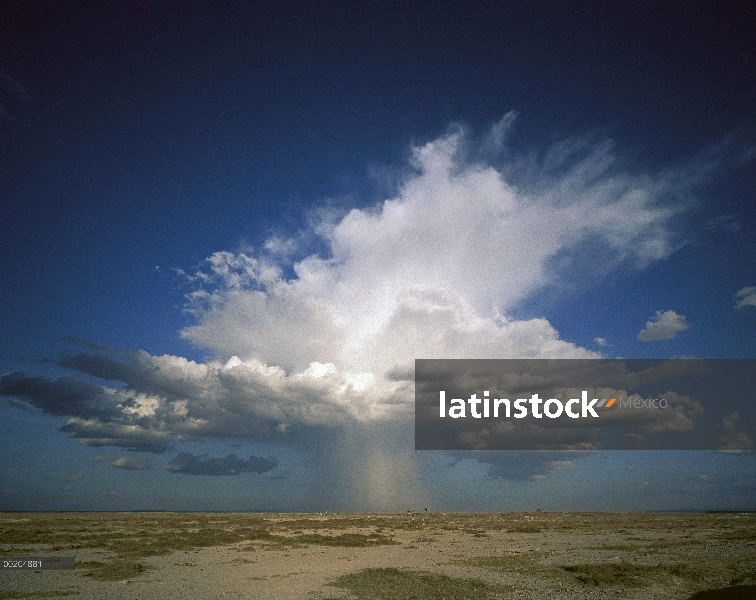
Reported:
(435, 270)
(326, 341)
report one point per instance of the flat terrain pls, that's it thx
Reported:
(421, 556)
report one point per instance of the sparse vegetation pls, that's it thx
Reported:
(688, 552)
(345, 540)
(525, 529)
(13, 595)
(507, 563)
(603, 575)
(117, 570)
(399, 584)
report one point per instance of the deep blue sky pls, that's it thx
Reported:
(138, 141)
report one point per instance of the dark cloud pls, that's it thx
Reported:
(137, 370)
(521, 465)
(157, 400)
(131, 437)
(97, 365)
(401, 373)
(61, 397)
(189, 463)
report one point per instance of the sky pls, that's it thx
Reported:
(228, 230)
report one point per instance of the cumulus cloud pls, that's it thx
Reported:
(729, 439)
(63, 396)
(130, 463)
(666, 326)
(317, 331)
(747, 297)
(435, 270)
(167, 399)
(190, 464)
(141, 437)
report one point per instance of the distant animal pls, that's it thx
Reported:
(539, 510)
(426, 509)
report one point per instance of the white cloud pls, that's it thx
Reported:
(434, 271)
(747, 297)
(600, 341)
(666, 326)
(130, 463)
(314, 343)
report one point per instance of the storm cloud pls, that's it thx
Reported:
(191, 464)
(313, 335)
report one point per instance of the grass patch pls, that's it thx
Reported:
(478, 533)
(629, 575)
(242, 561)
(117, 570)
(659, 544)
(650, 545)
(738, 534)
(525, 529)
(618, 547)
(398, 584)
(603, 575)
(12, 595)
(345, 540)
(507, 563)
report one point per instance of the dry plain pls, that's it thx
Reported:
(390, 556)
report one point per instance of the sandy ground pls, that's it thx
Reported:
(534, 560)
